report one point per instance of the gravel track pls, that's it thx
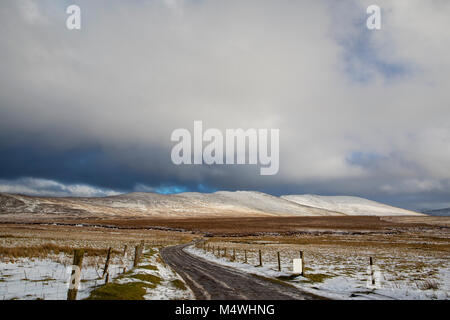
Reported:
(210, 281)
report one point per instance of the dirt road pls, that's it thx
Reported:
(210, 281)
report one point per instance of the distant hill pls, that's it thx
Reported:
(191, 204)
(438, 212)
(351, 206)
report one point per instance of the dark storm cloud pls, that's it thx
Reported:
(359, 113)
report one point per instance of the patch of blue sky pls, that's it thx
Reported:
(362, 57)
(363, 159)
(171, 189)
(362, 61)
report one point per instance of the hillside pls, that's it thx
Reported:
(190, 204)
(349, 205)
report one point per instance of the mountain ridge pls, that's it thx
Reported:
(194, 204)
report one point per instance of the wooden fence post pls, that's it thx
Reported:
(245, 256)
(75, 276)
(124, 259)
(279, 261)
(260, 259)
(108, 257)
(372, 278)
(234, 254)
(225, 252)
(303, 263)
(137, 255)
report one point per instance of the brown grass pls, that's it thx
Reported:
(46, 249)
(428, 285)
(284, 225)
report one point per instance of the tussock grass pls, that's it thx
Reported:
(44, 250)
(317, 277)
(288, 278)
(120, 291)
(147, 278)
(149, 253)
(149, 267)
(178, 284)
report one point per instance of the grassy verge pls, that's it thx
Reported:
(46, 249)
(120, 291)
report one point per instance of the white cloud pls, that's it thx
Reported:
(30, 12)
(45, 187)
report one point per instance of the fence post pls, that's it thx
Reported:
(108, 257)
(234, 254)
(75, 276)
(245, 256)
(137, 255)
(260, 259)
(371, 271)
(225, 252)
(279, 261)
(124, 259)
(303, 263)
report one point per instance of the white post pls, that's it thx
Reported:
(298, 266)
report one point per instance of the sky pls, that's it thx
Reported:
(361, 112)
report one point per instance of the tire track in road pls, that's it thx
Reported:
(210, 281)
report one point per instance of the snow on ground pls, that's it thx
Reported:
(48, 278)
(340, 275)
(152, 264)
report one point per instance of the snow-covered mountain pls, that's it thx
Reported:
(351, 206)
(191, 204)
